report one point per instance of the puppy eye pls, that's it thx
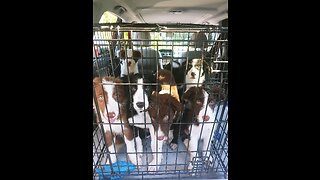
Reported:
(198, 102)
(100, 98)
(133, 89)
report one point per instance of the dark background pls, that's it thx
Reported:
(47, 90)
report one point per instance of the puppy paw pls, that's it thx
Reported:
(130, 121)
(173, 146)
(192, 171)
(186, 142)
(140, 160)
(136, 160)
(170, 136)
(152, 167)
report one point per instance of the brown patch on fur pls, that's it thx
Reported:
(128, 133)
(162, 105)
(119, 140)
(120, 96)
(216, 94)
(194, 99)
(109, 137)
(166, 77)
(136, 55)
(102, 96)
(168, 82)
(119, 92)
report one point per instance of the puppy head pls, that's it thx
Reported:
(196, 73)
(140, 92)
(162, 110)
(195, 69)
(197, 100)
(128, 61)
(110, 97)
(193, 98)
(199, 40)
(216, 94)
(130, 54)
(165, 77)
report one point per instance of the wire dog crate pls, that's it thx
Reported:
(175, 47)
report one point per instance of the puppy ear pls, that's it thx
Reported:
(184, 63)
(125, 79)
(166, 118)
(137, 75)
(122, 54)
(96, 81)
(136, 55)
(219, 92)
(186, 96)
(175, 104)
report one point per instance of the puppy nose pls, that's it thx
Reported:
(193, 74)
(129, 63)
(140, 104)
(206, 118)
(160, 138)
(111, 114)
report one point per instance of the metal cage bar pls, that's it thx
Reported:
(172, 41)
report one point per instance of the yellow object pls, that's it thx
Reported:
(174, 90)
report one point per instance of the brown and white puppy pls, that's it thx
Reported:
(112, 108)
(129, 62)
(168, 86)
(162, 109)
(196, 72)
(197, 121)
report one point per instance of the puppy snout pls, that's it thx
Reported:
(111, 114)
(212, 104)
(206, 118)
(162, 138)
(193, 74)
(140, 104)
(129, 63)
